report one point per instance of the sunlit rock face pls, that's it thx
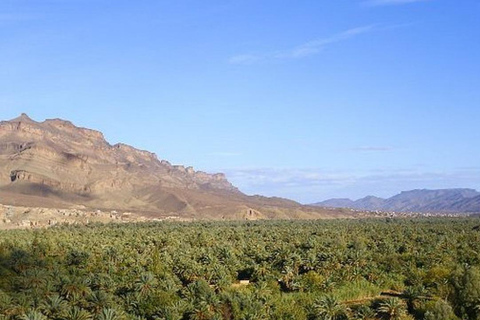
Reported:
(54, 157)
(57, 164)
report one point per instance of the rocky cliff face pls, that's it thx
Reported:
(56, 150)
(57, 164)
(56, 158)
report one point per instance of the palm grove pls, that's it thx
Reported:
(363, 269)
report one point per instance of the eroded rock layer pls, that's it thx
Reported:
(57, 164)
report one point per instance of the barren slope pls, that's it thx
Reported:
(56, 164)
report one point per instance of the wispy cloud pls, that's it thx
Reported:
(291, 177)
(244, 59)
(315, 46)
(310, 185)
(303, 50)
(390, 2)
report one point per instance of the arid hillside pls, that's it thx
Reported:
(54, 164)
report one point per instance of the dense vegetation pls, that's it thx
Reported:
(426, 269)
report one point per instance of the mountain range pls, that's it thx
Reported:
(55, 164)
(442, 200)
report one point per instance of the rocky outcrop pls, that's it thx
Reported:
(63, 158)
(57, 164)
(37, 179)
(53, 145)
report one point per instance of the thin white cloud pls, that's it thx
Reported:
(375, 3)
(244, 59)
(288, 177)
(309, 185)
(301, 51)
(315, 46)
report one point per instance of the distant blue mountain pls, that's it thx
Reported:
(420, 200)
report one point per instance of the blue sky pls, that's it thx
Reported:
(301, 99)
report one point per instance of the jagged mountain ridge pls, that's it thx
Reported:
(420, 200)
(57, 164)
(66, 146)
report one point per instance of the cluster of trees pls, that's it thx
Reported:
(357, 269)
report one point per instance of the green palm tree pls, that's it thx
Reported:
(99, 300)
(33, 315)
(329, 308)
(34, 278)
(439, 310)
(75, 289)
(5, 303)
(412, 294)
(392, 308)
(53, 306)
(364, 313)
(287, 279)
(202, 312)
(76, 313)
(170, 313)
(110, 314)
(23, 305)
(145, 284)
